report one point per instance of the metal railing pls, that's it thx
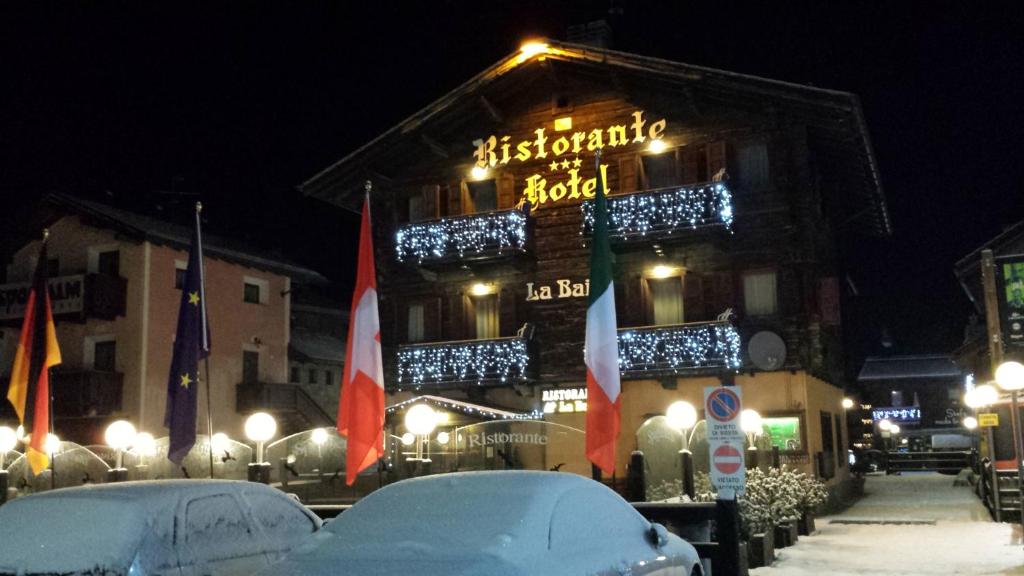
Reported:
(281, 398)
(662, 212)
(497, 361)
(469, 236)
(948, 461)
(679, 347)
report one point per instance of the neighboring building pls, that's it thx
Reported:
(114, 281)
(974, 355)
(730, 196)
(922, 393)
(316, 354)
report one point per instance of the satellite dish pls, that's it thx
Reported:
(767, 350)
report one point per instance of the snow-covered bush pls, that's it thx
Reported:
(665, 490)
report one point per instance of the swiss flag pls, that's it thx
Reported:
(361, 411)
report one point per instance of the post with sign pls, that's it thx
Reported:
(722, 407)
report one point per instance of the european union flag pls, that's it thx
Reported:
(191, 344)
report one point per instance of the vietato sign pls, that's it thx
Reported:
(561, 150)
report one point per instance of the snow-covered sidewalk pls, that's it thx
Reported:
(948, 531)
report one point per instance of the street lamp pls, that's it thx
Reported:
(8, 440)
(1010, 377)
(970, 422)
(120, 436)
(259, 428)
(847, 403)
(420, 420)
(751, 424)
(682, 416)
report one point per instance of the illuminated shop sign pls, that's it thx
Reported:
(561, 153)
(563, 288)
(564, 400)
(908, 414)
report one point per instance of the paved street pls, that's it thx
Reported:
(917, 523)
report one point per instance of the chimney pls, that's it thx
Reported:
(596, 33)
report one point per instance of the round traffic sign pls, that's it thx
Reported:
(727, 459)
(723, 405)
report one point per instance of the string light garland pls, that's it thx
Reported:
(466, 408)
(704, 345)
(666, 211)
(501, 359)
(474, 233)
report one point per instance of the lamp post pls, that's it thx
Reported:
(420, 421)
(120, 436)
(751, 423)
(1010, 377)
(144, 447)
(259, 428)
(682, 416)
(8, 440)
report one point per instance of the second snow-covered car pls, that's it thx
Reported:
(508, 523)
(164, 527)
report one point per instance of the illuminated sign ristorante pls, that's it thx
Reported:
(495, 151)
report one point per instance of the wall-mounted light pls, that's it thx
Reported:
(847, 403)
(478, 173)
(657, 146)
(531, 48)
(481, 289)
(663, 271)
(970, 422)
(563, 124)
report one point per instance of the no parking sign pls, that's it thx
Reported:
(722, 407)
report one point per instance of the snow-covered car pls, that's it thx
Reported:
(492, 524)
(164, 527)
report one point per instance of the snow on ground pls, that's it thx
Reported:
(962, 539)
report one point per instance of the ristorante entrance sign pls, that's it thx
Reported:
(561, 151)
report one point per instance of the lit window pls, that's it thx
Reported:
(666, 300)
(759, 293)
(481, 196)
(486, 316)
(415, 333)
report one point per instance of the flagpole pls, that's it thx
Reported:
(51, 428)
(206, 359)
(368, 186)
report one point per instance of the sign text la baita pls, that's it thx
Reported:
(497, 150)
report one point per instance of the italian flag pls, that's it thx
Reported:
(601, 351)
(361, 411)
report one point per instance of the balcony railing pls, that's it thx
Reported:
(497, 361)
(280, 399)
(665, 211)
(76, 297)
(86, 393)
(471, 236)
(679, 347)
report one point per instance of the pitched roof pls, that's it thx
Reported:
(838, 121)
(166, 233)
(316, 347)
(903, 367)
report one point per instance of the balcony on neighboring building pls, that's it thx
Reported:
(665, 212)
(485, 236)
(76, 298)
(86, 393)
(494, 362)
(295, 409)
(679, 348)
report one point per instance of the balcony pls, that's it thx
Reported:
(293, 406)
(461, 238)
(500, 361)
(662, 350)
(86, 393)
(665, 212)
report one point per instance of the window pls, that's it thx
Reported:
(660, 170)
(105, 356)
(481, 196)
(752, 163)
(485, 315)
(666, 300)
(109, 263)
(786, 432)
(327, 377)
(312, 375)
(250, 366)
(826, 468)
(842, 444)
(296, 375)
(255, 290)
(53, 268)
(423, 205)
(759, 293)
(179, 273)
(416, 314)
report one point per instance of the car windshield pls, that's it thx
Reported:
(68, 535)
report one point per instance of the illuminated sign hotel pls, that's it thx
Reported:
(564, 400)
(497, 150)
(908, 414)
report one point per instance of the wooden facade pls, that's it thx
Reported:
(772, 173)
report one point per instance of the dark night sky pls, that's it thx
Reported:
(239, 103)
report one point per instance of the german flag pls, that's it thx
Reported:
(37, 352)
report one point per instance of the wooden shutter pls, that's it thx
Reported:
(647, 302)
(719, 293)
(455, 196)
(693, 298)
(468, 318)
(629, 174)
(716, 158)
(431, 195)
(455, 319)
(690, 165)
(506, 184)
(431, 320)
(507, 320)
